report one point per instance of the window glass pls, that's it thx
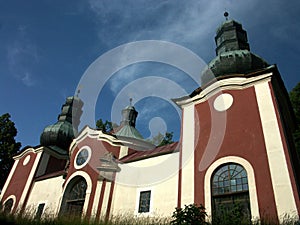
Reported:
(82, 157)
(231, 176)
(144, 203)
(229, 185)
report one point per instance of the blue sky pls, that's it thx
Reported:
(47, 45)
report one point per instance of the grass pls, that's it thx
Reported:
(25, 219)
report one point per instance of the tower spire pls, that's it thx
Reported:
(226, 14)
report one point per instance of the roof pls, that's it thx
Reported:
(129, 131)
(162, 150)
(233, 62)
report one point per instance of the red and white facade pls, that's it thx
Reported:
(241, 119)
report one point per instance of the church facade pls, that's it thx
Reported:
(236, 148)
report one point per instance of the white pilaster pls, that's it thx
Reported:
(188, 139)
(283, 192)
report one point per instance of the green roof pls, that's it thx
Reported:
(129, 131)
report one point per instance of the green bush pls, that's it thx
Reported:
(190, 215)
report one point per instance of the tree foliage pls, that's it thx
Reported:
(295, 100)
(160, 139)
(168, 139)
(106, 126)
(8, 146)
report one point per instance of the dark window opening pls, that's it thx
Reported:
(144, 203)
(39, 211)
(230, 193)
(74, 197)
(8, 205)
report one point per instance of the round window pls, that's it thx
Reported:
(82, 157)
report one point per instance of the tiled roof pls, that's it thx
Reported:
(139, 155)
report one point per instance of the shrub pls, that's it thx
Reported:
(190, 215)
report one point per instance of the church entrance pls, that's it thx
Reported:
(74, 197)
(230, 193)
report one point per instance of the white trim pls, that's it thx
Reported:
(88, 189)
(12, 171)
(89, 150)
(282, 187)
(188, 148)
(106, 199)
(234, 83)
(34, 150)
(137, 201)
(93, 133)
(96, 199)
(251, 183)
(13, 197)
(30, 178)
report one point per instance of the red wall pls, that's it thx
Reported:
(99, 149)
(19, 179)
(243, 138)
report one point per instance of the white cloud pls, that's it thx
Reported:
(27, 79)
(22, 56)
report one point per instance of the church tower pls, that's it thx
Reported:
(239, 125)
(33, 165)
(61, 134)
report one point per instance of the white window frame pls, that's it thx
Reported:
(138, 193)
(76, 166)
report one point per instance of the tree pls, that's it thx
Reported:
(160, 139)
(106, 126)
(167, 139)
(295, 100)
(8, 146)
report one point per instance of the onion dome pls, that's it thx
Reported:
(65, 129)
(233, 53)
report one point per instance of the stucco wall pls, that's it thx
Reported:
(164, 189)
(47, 191)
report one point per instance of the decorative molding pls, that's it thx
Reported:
(234, 83)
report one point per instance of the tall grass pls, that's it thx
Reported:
(26, 219)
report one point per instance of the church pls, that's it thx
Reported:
(235, 147)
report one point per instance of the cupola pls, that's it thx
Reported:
(233, 53)
(65, 129)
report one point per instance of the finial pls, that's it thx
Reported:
(78, 91)
(226, 14)
(130, 101)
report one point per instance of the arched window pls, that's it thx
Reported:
(230, 192)
(8, 205)
(74, 197)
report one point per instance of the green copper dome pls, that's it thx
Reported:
(233, 53)
(64, 130)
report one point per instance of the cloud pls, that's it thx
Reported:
(22, 56)
(27, 79)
